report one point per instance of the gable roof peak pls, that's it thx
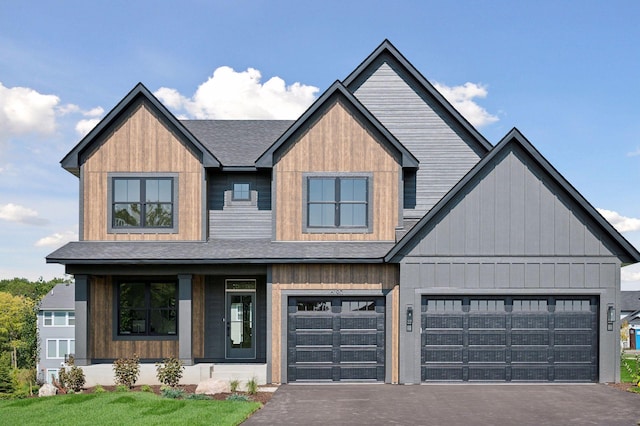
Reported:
(72, 161)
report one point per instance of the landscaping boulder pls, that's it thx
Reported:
(213, 386)
(47, 390)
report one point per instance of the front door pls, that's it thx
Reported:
(241, 305)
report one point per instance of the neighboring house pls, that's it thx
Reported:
(56, 330)
(629, 302)
(379, 237)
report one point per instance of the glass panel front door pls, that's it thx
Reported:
(240, 325)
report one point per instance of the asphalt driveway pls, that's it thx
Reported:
(593, 404)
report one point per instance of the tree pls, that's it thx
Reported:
(14, 314)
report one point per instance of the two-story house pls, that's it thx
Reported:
(378, 237)
(56, 330)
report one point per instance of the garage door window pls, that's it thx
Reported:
(572, 306)
(486, 305)
(358, 305)
(314, 306)
(444, 305)
(529, 306)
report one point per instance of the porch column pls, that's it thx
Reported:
(185, 352)
(82, 316)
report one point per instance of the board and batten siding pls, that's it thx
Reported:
(511, 210)
(336, 143)
(444, 153)
(142, 143)
(336, 279)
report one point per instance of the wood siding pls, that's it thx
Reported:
(418, 122)
(142, 144)
(197, 315)
(311, 277)
(338, 143)
(101, 328)
(512, 209)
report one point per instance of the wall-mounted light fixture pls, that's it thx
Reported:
(409, 318)
(611, 317)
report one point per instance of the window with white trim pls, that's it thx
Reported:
(59, 348)
(59, 318)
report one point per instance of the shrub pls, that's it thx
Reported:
(233, 385)
(632, 365)
(238, 397)
(198, 396)
(127, 370)
(99, 389)
(74, 378)
(169, 372)
(252, 386)
(122, 388)
(146, 388)
(172, 393)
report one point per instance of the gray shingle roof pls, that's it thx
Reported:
(237, 143)
(218, 251)
(629, 300)
(62, 296)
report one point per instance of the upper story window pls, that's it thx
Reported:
(147, 308)
(140, 203)
(241, 192)
(338, 202)
(59, 318)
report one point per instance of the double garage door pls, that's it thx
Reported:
(548, 339)
(335, 339)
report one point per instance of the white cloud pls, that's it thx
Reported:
(84, 126)
(94, 112)
(462, 98)
(57, 239)
(16, 213)
(24, 110)
(621, 223)
(229, 94)
(634, 153)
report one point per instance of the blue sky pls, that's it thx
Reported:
(565, 73)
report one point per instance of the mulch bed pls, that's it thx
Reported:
(262, 397)
(625, 387)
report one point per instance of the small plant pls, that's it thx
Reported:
(173, 393)
(146, 388)
(99, 389)
(238, 397)
(632, 365)
(127, 370)
(72, 380)
(122, 388)
(169, 372)
(252, 386)
(233, 385)
(198, 396)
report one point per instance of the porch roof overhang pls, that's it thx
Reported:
(218, 252)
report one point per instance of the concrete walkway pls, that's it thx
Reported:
(451, 405)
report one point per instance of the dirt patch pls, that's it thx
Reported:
(262, 397)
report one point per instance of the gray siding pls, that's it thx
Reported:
(229, 219)
(419, 124)
(511, 209)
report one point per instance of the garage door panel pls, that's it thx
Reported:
(466, 338)
(336, 339)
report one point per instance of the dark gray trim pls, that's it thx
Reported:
(337, 229)
(141, 230)
(336, 93)
(81, 206)
(72, 161)
(205, 205)
(353, 81)
(269, 315)
(82, 316)
(184, 318)
(629, 253)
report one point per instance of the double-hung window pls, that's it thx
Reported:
(59, 318)
(142, 202)
(147, 308)
(338, 202)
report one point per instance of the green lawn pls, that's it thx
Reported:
(131, 408)
(625, 376)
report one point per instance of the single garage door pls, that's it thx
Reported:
(544, 339)
(335, 339)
